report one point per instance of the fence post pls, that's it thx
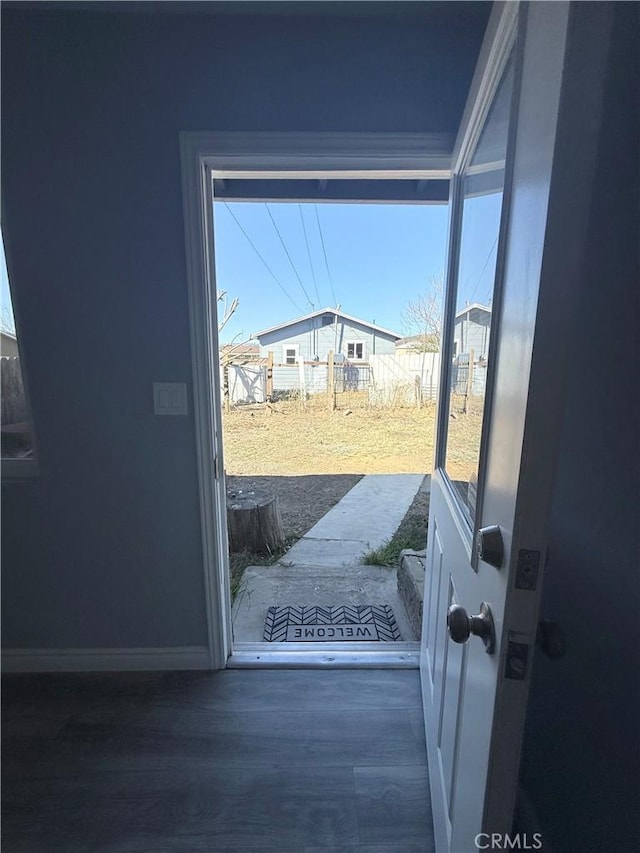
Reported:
(303, 381)
(331, 395)
(469, 382)
(269, 388)
(431, 383)
(225, 383)
(418, 389)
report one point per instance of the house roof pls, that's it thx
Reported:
(241, 349)
(473, 306)
(333, 311)
(412, 339)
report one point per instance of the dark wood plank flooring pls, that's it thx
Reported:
(230, 762)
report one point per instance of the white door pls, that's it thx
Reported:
(498, 419)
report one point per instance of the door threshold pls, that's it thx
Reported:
(398, 655)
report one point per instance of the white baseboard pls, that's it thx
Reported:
(105, 660)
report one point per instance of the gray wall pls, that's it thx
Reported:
(471, 335)
(103, 550)
(8, 345)
(581, 766)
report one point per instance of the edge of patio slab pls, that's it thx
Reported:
(364, 519)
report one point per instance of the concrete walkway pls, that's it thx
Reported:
(365, 518)
(312, 572)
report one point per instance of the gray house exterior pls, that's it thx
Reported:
(312, 337)
(471, 331)
(471, 335)
(8, 344)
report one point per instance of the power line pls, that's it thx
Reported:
(324, 252)
(483, 269)
(286, 251)
(313, 275)
(273, 275)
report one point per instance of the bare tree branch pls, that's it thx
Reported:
(7, 323)
(422, 317)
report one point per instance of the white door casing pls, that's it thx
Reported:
(475, 702)
(261, 155)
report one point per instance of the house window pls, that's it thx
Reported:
(355, 350)
(290, 353)
(17, 442)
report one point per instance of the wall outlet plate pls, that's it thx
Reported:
(170, 398)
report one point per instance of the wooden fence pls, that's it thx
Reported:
(468, 381)
(14, 412)
(13, 406)
(402, 379)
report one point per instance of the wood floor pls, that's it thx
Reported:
(244, 761)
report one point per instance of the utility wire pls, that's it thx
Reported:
(286, 251)
(313, 275)
(483, 269)
(324, 252)
(273, 275)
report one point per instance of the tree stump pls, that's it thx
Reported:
(254, 522)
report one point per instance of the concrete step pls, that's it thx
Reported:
(267, 586)
(411, 575)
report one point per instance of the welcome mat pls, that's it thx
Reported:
(373, 622)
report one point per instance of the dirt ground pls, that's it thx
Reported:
(302, 500)
(311, 457)
(290, 440)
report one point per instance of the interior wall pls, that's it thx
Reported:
(103, 549)
(581, 757)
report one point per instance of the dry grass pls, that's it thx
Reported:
(412, 534)
(291, 439)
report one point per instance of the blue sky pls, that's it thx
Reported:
(478, 249)
(379, 256)
(6, 311)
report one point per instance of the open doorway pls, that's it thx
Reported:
(411, 170)
(329, 296)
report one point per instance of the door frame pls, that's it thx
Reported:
(205, 155)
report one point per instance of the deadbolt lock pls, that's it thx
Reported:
(489, 545)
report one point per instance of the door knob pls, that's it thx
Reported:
(461, 626)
